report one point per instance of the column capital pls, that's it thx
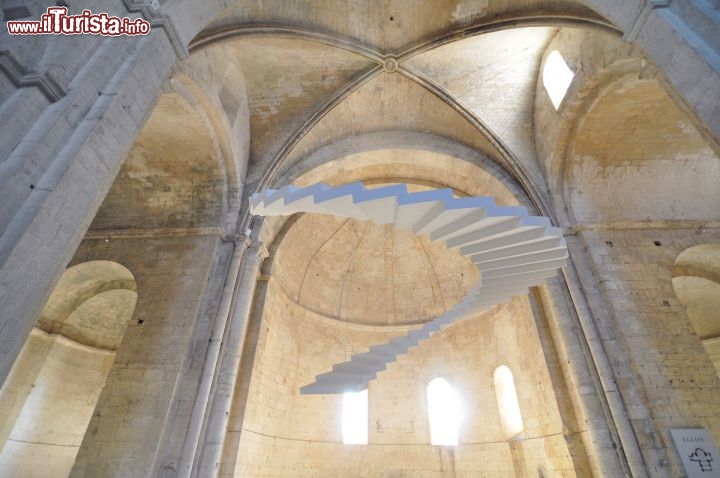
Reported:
(256, 248)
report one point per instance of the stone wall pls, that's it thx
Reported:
(47, 404)
(72, 106)
(664, 374)
(287, 434)
(152, 384)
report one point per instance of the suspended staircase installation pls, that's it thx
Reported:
(511, 250)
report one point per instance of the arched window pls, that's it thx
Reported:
(445, 412)
(557, 77)
(508, 405)
(355, 418)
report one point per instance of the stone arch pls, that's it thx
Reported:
(586, 125)
(555, 129)
(51, 392)
(172, 178)
(220, 131)
(217, 91)
(696, 281)
(401, 140)
(298, 340)
(681, 38)
(78, 287)
(602, 62)
(655, 148)
(416, 157)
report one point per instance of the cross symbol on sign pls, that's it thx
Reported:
(703, 459)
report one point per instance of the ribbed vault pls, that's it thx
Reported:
(313, 82)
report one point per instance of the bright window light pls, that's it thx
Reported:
(445, 413)
(508, 405)
(355, 418)
(557, 77)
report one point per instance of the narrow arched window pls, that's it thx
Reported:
(355, 418)
(557, 77)
(444, 412)
(508, 405)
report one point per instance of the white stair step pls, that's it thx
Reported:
(537, 276)
(526, 268)
(557, 253)
(303, 200)
(322, 388)
(337, 376)
(339, 201)
(481, 241)
(383, 350)
(454, 210)
(359, 368)
(477, 220)
(414, 206)
(543, 243)
(380, 204)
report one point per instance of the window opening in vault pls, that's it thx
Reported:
(355, 418)
(508, 405)
(557, 77)
(444, 412)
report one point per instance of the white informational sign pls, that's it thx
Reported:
(698, 452)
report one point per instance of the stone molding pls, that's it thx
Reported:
(23, 78)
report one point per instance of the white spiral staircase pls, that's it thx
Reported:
(512, 251)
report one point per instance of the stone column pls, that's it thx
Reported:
(217, 423)
(608, 439)
(242, 385)
(92, 134)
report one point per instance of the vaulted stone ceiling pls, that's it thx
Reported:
(342, 91)
(435, 94)
(390, 26)
(364, 273)
(318, 72)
